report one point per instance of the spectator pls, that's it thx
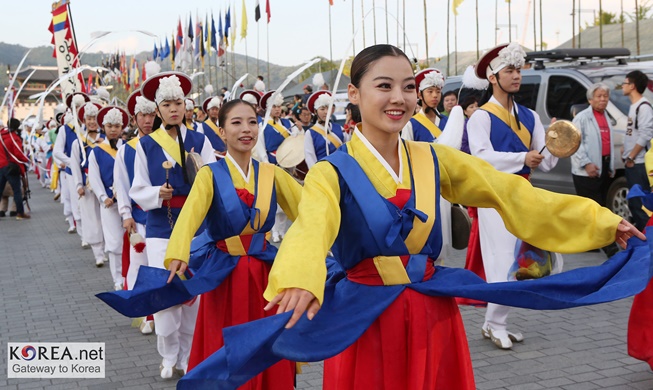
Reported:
(259, 85)
(469, 105)
(638, 137)
(592, 165)
(449, 100)
(11, 164)
(303, 118)
(226, 93)
(352, 118)
(308, 90)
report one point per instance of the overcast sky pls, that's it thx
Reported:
(299, 29)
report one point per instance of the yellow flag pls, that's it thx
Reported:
(455, 5)
(243, 22)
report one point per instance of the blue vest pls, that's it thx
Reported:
(421, 133)
(106, 162)
(364, 228)
(88, 149)
(319, 144)
(216, 142)
(272, 141)
(138, 214)
(71, 136)
(504, 139)
(157, 225)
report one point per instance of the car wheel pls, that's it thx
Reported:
(616, 200)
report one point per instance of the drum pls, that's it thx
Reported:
(290, 156)
(461, 226)
(193, 164)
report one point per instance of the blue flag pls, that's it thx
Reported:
(166, 51)
(155, 54)
(227, 23)
(190, 28)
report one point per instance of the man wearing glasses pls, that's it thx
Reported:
(637, 140)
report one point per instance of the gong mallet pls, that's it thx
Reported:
(167, 165)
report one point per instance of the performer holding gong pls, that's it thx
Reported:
(163, 201)
(511, 138)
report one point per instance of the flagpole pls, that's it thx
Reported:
(478, 49)
(573, 24)
(246, 58)
(455, 43)
(403, 15)
(509, 23)
(257, 50)
(353, 28)
(374, 18)
(426, 35)
(541, 33)
(397, 19)
(448, 51)
(267, 39)
(535, 25)
(496, 21)
(363, 20)
(330, 42)
(387, 30)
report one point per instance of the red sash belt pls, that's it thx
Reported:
(176, 202)
(365, 272)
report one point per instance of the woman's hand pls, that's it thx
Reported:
(625, 230)
(176, 267)
(297, 300)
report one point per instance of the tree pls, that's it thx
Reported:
(605, 18)
(642, 13)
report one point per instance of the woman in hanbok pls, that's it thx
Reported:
(237, 198)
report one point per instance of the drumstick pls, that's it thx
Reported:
(167, 165)
(552, 135)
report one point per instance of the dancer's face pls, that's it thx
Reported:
(386, 95)
(91, 123)
(172, 111)
(145, 122)
(240, 128)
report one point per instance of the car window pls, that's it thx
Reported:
(616, 94)
(562, 93)
(527, 95)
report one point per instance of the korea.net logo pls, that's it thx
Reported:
(55, 360)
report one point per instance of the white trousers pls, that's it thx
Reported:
(174, 326)
(64, 178)
(281, 223)
(74, 199)
(498, 250)
(113, 236)
(136, 259)
(89, 208)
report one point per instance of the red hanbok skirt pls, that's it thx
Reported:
(417, 343)
(239, 299)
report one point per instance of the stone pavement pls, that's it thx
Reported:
(49, 282)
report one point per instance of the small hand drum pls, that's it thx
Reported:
(193, 164)
(461, 227)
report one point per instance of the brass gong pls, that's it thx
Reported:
(562, 139)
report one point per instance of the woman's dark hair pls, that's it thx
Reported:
(468, 101)
(368, 56)
(228, 106)
(355, 112)
(453, 92)
(638, 78)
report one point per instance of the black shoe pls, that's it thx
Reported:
(610, 250)
(3, 214)
(13, 213)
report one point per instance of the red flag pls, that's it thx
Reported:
(143, 76)
(330, 2)
(267, 9)
(180, 36)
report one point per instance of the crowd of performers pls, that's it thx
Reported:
(184, 212)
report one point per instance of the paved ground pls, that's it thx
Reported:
(48, 285)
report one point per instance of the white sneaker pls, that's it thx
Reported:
(118, 286)
(147, 327)
(72, 230)
(85, 244)
(99, 262)
(501, 338)
(166, 372)
(276, 238)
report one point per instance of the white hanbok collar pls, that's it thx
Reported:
(370, 147)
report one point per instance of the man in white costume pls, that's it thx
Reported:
(133, 217)
(508, 136)
(161, 191)
(89, 206)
